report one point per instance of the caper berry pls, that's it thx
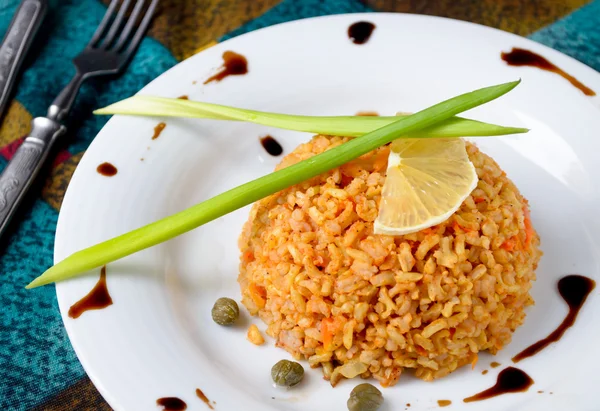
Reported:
(287, 373)
(365, 397)
(225, 311)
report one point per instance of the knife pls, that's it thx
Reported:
(14, 47)
(18, 39)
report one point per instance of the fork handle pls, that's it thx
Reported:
(25, 165)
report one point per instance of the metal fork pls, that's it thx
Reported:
(108, 52)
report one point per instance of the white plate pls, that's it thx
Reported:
(158, 338)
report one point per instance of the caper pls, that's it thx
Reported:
(287, 373)
(225, 311)
(365, 397)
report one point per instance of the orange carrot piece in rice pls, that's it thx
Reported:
(474, 362)
(258, 295)
(528, 227)
(457, 227)
(327, 325)
(508, 245)
(248, 256)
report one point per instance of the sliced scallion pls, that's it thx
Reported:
(348, 126)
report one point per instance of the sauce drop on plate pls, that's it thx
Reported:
(510, 380)
(367, 114)
(522, 57)
(204, 398)
(574, 289)
(234, 64)
(444, 403)
(184, 97)
(171, 404)
(96, 299)
(495, 364)
(107, 169)
(360, 32)
(271, 145)
(158, 129)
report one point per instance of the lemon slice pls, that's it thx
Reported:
(427, 181)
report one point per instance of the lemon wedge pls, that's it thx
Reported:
(427, 181)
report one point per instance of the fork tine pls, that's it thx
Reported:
(129, 26)
(116, 25)
(135, 41)
(105, 20)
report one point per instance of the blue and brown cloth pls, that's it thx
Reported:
(38, 367)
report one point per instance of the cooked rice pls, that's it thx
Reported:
(254, 335)
(334, 293)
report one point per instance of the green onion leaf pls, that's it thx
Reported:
(202, 213)
(348, 126)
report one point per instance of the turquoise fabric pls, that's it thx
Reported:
(577, 35)
(35, 355)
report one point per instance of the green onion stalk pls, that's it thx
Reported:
(238, 197)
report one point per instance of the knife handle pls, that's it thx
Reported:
(17, 40)
(25, 165)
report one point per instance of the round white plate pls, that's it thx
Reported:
(158, 339)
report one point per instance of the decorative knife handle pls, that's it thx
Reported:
(25, 165)
(19, 36)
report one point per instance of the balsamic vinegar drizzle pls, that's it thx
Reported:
(158, 129)
(234, 64)
(171, 404)
(360, 32)
(204, 398)
(96, 299)
(107, 169)
(522, 57)
(271, 145)
(510, 380)
(574, 289)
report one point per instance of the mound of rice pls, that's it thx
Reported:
(356, 303)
